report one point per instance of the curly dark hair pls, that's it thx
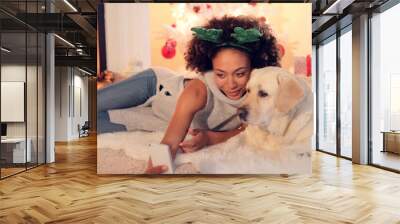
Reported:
(264, 53)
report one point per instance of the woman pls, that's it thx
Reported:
(224, 52)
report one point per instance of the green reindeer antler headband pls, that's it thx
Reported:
(240, 36)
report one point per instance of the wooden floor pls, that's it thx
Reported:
(5, 172)
(70, 191)
(387, 159)
(10, 171)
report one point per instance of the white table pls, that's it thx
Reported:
(19, 155)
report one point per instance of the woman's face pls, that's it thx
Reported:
(231, 72)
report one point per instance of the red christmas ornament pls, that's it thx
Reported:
(262, 20)
(281, 50)
(308, 63)
(168, 51)
(208, 6)
(196, 9)
(173, 25)
(253, 4)
(171, 42)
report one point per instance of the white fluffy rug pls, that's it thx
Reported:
(127, 153)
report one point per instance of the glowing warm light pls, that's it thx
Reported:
(186, 18)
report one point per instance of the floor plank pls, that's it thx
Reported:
(70, 191)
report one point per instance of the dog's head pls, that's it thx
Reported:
(273, 93)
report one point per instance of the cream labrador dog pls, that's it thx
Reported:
(277, 140)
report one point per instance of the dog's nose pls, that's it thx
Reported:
(243, 113)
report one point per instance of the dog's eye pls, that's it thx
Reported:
(262, 93)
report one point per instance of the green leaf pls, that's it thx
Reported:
(243, 36)
(212, 35)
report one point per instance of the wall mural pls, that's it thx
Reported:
(204, 88)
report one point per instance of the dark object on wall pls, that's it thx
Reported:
(101, 40)
(3, 129)
(84, 130)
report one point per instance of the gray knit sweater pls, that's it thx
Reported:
(218, 114)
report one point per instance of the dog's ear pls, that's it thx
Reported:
(290, 93)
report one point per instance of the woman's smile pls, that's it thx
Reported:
(234, 94)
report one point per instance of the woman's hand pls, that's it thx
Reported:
(216, 137)
(155, 169)
(199, 140)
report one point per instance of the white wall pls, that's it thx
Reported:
(12, 101)
(80, 99)
(70, 83)
(127, 49)
(10, 73)
(14, 72)
(33, 127)
(62, 81)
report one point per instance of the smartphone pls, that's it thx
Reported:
(161, 155)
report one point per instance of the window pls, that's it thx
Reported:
(22, 65)
(327, 96)
(385, 89)
(346, 93)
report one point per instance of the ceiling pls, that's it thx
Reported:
(331, 15)
(72, 20)
(76, 20)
